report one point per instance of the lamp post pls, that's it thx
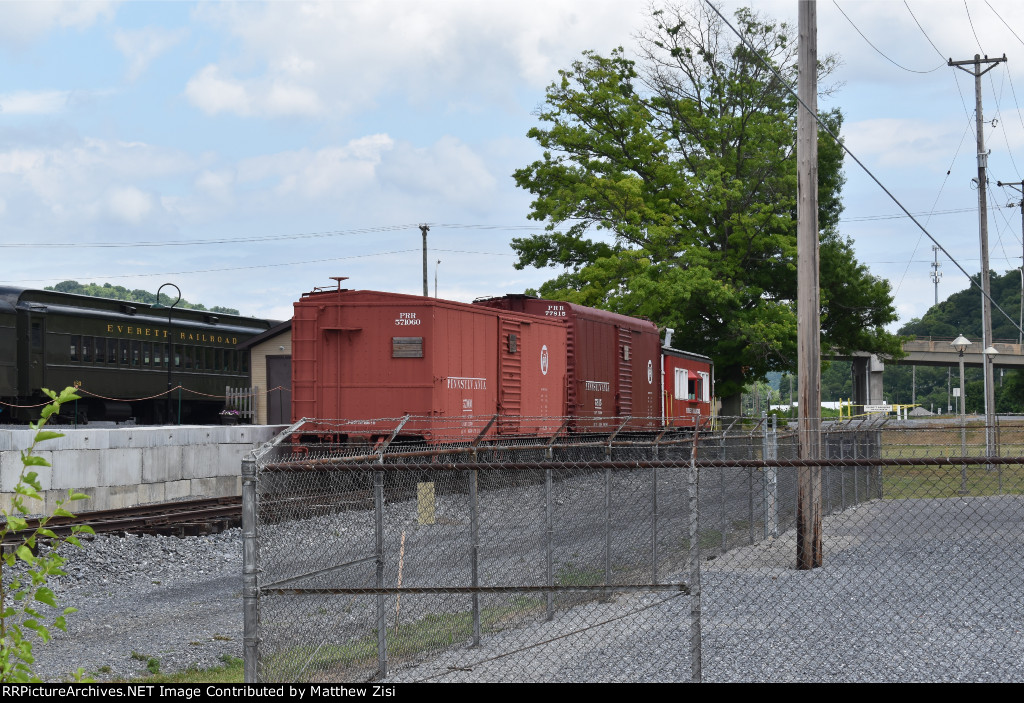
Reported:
(960, 344)
(170, 343)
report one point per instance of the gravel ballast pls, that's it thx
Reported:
(897, 600)
(142, 597)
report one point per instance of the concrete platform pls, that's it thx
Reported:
(128, 466)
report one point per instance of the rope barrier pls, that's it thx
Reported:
(183, 389)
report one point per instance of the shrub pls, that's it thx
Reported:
(24, 592)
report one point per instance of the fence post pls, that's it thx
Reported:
(654, 525)
(382, 627)
(474, 552)
(606, 596)
(695, 625)
(771, 481)
(549, 555)
(250, 571)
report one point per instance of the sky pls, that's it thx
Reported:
(247, 152)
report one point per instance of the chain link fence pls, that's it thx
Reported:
(629, 557)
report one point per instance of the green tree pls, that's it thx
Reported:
(960, 313)
(133, 296)
(669, 191)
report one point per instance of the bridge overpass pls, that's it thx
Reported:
(924, 351)
(937, 351)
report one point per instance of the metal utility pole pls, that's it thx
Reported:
(426, 285)
(977, 71)
(1019, 187)
(808, 527)
(936, 274)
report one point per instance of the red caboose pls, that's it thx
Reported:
(613, 363)
(364, 355)
(687, 391)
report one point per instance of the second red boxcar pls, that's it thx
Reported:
(613, 370)
(363, 356)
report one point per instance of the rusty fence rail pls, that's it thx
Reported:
(668, 557)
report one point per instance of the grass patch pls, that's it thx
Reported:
(232, 671)
(900, 482)
(433, 632)
(571, 575)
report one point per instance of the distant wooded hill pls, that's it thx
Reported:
(960, 313)
(135, 296)
(931, 386)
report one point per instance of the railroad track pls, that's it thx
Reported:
(186, 517)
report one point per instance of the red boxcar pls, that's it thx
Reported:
(365, 355)
(688, 389)
(613, 363)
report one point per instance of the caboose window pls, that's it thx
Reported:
(87, 346)
(147, 353)
(125, 353)
(681, 384)
(136, 353)
(76, 344)
(111, 351)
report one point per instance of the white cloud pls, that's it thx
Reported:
(212, 93)
(331, 171)
(904, 142)
(141, 46)
(40, 102)
(448, 170)
(322, 59)
(23, 22)
(90, 180)
(129, 204)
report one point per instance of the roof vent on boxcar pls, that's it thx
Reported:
(128, 309)
(211, 319)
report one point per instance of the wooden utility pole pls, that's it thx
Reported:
(986, 301)
(426, 285)
(808, 527)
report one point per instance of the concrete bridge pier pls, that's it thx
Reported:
(867, 380)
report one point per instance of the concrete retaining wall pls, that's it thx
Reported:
(127, 466)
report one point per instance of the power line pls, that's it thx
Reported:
(252, 240)
(941, 55)
(880, 52)
(203, 242)
(956, 82)
(969, 20)
(1004, 22)
(825, 128)
(217, 270)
